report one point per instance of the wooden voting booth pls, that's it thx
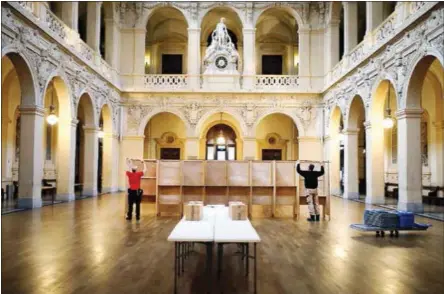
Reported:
(269, 188)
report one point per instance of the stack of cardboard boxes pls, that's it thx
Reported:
(194, 211)
(237, 210)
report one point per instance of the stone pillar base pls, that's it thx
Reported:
(27, 203)
(88, 192)
(409, 206)
(374, 200)
(351, 195)
(66, 197)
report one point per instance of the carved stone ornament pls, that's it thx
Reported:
(249, 114)
(135, 114)
(193, 113)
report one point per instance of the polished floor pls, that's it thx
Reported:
(86, 246)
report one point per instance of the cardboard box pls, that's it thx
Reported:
(237, 210)
(193, 211)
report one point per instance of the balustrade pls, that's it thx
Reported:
(281, 82)
(166, 82)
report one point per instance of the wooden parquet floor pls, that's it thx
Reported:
(86, 246)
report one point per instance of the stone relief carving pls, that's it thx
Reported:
(394, 60)
(135, 114)
(249, 114)
(193, 113)
(46, 57)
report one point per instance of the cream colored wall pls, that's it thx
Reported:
(156, 127)
(10, 102)
(283, 126)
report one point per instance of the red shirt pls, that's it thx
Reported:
(134, 179)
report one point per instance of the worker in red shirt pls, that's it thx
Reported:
(134, 191)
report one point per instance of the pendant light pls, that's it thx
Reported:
(221, 138)
(52, 118)
(388, 122)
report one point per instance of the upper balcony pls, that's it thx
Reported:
(41, 15)
(186, 83)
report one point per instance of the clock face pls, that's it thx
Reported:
(221, 62)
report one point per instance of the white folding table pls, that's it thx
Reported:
(242, 233)
(216, 226)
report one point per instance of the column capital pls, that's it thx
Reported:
(110, 136)
(439, 124)
(409, 113)
(90, 129)
(367, 125)
(74, 122)
(133, 138)
(309, 139)
(194, 29)
(32, 110)
(249, 30)
(350, 131)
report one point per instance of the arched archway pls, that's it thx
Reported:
(276, 136)
(22, 125)
(86, 162)
(423, 106)
(381, 144)
(166, 43)
(336, 151)
(277, 42)
(107, 175)
(234, 25)
(354, 150)
(165, 135)
(220, 143)
(58, 139)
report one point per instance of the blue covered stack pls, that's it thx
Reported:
(381, 218)
(406, 219)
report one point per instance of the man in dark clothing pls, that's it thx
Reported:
(311, 188)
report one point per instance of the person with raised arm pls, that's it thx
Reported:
(311, 189)
(134, 191)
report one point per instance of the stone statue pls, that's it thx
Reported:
(221, 44)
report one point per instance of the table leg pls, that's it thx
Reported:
(209, 264)
(255, 268)
(183, 256)
(219, 259)
(247, 262)
(175, 267)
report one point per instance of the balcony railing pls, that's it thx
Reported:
(67, 37)
(166, 82)
(276, 82)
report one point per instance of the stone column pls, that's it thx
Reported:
(110, 162)
(409, 160)
(375, 15)
(249, 62)
(192, 148)
(304, 57)
(193, 63)
(250, 149)
(112, 39)
(350, 26)
(437, 163)
(70, 14)
(374, 134)
(66, 153)
(332, 45)
(93, 28)
(139, 51)
(351, 172)
(130, 147)
(31, 159)
(91, 157)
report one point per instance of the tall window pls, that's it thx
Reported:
(221, 143)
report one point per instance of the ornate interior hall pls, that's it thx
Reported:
(220, 100)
